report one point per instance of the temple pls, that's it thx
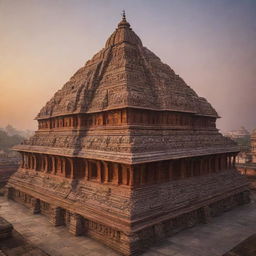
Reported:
(127, 153)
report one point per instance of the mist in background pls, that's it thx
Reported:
(210, 44)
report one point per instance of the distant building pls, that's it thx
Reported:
(240, 133)
(246, 161)
(243, 157)
(242, 138)
(253, 146)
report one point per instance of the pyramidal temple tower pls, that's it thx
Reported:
(127, 153)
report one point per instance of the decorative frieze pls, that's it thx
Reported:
(108, 232)
(127, 117)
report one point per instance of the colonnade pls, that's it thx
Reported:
(129, 175)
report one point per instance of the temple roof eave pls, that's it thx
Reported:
(127, 157)
(125, 107)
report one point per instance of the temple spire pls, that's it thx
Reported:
(123, 15)
(123, 23)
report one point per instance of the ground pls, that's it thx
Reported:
(212, 239)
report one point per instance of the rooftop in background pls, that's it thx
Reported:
(239, 133)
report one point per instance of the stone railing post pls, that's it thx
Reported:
(205, 213)
(56, 217)
(76, 226)
(9, 192)
(35, 206)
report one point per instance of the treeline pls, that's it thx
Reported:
(244, 143)
(8, 141)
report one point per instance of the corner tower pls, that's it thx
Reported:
(126, 152)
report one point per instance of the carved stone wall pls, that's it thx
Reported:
(127, 117)
(129, 243)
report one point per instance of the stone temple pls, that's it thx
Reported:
(127, 153)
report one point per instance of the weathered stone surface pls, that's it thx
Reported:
(12, 243)
(5, 228)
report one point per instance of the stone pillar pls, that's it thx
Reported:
(72, 169)
(9, 192)
(208, 164)
(159, 231)
(136, 175)
(131, 181)
(170, 170)
(219, 163)
(202, 170)
(115, 173)
(159, 170)
(130, 243)
(205, 214)
(22, 160)
(25, 161)
(222, 162)
(182, 168)
(29, 161)
(213, 164)
(86, 170)
(34, 162)
(226, 161)
(48, 124)
(124, 175)
(99, 172)
(63, 165)
(45, 159)
(229, 162)
(234, 161)
(35, 205)
(142, 174)
(76, 226)
(79, 121)
(246, 197)
(56, 217)
(53, 165)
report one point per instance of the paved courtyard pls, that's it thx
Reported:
(213, 239)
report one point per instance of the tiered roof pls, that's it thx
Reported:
(125, 74)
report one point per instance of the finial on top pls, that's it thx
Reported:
(123, 14)
(123, 23)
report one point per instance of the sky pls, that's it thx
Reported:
(211, 44)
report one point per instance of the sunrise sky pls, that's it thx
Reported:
(210, 44)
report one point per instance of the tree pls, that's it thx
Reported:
(7, 142)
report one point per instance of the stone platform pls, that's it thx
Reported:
(215, 238)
